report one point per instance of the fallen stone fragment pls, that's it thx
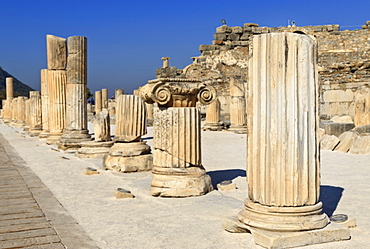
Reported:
(120, 193)
(226, 185)
(90, 171)
(328, 142)
(346, 140)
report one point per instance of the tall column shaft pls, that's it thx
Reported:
(21, 112)
(9, 88)
(57, 80)
(35, 113)
(283, 169)
(104, 97)
(45, 103)
(14, 110)
(238, 117)
(98, 102)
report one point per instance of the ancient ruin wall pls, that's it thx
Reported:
(344, 62)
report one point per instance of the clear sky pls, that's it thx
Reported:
(126, 39)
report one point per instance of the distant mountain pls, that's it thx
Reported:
(20, 89)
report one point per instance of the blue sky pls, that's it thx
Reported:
(126, 39)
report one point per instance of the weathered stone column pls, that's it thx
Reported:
(362, 106)
(238, 117)
(76, 110)
(283, 168)
(118, 92)
(27, 111)
(21, 112)
(102, 141)
(35, 114)
(213, 114)
(98, 102)
(57, 80)
(44, 104)
(104, 98)
(56, 48)
(9, 98)
(177, 166)
(129, 153)
(14, 111)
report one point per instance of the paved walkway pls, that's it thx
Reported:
(30, 216)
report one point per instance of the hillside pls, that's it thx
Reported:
(20, 89)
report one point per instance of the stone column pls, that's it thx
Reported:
(45, 104)
(98, 102)
(117, 93)
(57, 80)
(9, 98)
(76, 110)
(213, 117)
(104, 98)
(21, 112)
(56, 48)
(129, 153)
(238, 117)
(27, 115)
(283, 168)
(177, 166)
(102, 141)
(14, 111)
(362, 106)
(35, 114)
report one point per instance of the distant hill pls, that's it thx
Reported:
(20, 89)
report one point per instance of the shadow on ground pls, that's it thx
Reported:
(223, 175)
(330, 197)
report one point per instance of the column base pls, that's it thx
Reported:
(180, 182)
(34, 132)
(92, 149)
(276, 240)
(213, 126)
(44, 134)
(71, 140)
(287, 219)
(238, 129)
(129, 157)
(53, 138)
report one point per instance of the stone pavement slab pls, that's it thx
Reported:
(30, 216)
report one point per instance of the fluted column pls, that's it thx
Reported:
(129, 153)
(362, 106)
(76, 107)
(283, 169)
(98, 102)
(104, 98)
(35, 114)
(27, 111)
(44, 104)
(57, 80)
(14, 111)
(238, 117)
(20, 112)
(213, 116)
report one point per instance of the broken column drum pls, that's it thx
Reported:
(27, 112)
(75, 130)
(238, 117)
(44, 104)
(362, 106)
(283, 168)
(177, 166)
(14, 111)
(35, 114)
(102, 141)
(129, 153)
(213, 114)
(21, 112)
